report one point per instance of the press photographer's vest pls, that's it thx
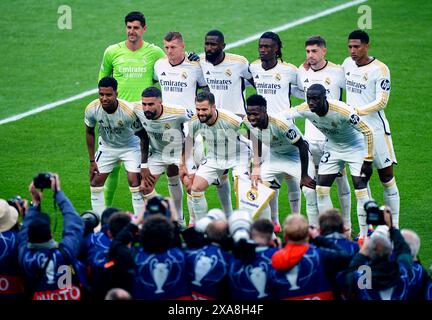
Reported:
(56, 291)
(304, 281)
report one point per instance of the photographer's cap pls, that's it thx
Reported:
(8, 216)
(39, 229)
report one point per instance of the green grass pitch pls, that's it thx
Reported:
(42, 64)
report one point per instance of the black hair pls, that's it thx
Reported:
(316, 40)
(107, 82)
(107, 213)
(257, 100)
(318, 87)
(157, 234)
(263, 226)
(117, 222)
(216, 33)
(39, 229)
(359, 35)
(135, 16)
(205, 96)
(276, 39)
(151, 92)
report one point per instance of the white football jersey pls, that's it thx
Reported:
(279, 137)
(368, 91)
(179, 83)
(165, 133)
(116, 130)
(226, 81)
(331, 76)
(343, 128)
(221, 138)
(275, 84)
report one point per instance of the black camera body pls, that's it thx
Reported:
(17, 202)
(158, 204)
(42, 180)
(91, 220)
(374, 214)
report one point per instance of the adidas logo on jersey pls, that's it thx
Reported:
(307, 80)
(348, 73)
(256, 77)
(163, 74)
(208, 72)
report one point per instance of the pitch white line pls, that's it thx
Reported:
(295, 23)
(235, 44)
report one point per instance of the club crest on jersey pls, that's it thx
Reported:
(120, 123)
(385, 84)
(278, 77)
(228, 72)
(291, 134)
(327, 81)
(252, 195)
(184, 75)
(365, 77)
(334, 124)
(354, 119)
(167, 126)
(189, 113)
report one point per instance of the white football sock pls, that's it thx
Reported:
(190, 209)
(224, 193)
(199, 204)
(176, 192)
(294, 194)
(274, 207)
(323, 199)
(344, 193)
(391, 198)
(362, 197)
(311, 206)
(137, 200)
(97, 200)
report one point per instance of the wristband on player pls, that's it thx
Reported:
(144, 165)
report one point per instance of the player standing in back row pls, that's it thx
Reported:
(225, 74)
(274, 80)
(368, 91)
(131, 63)
(331, 76)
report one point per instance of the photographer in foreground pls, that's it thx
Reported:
(11, 277)
(307, 265)
(249, 277)
(48, 265)
(383, 267)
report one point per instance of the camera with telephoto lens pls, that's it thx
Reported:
(43, 180)
(374, 213)
(91, 220)
(212, 215)
(18, 203)
(239, 223)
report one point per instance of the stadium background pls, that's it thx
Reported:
(41, 64)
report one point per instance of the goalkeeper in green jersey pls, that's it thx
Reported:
(131, 63)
